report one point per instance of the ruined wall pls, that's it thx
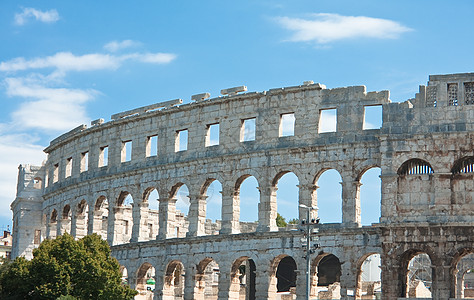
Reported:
(424, 149)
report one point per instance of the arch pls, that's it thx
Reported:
(370, 195)
(213, 190)
(243, 279)
(123, 218)
(326, 276)
(66, 211)
(369, 282)
(416, 281)
(287, 196)
(146, 280)
(207, 279)
(329, 196)
(152, 198)
(52, 225)
(415, 166)
(81, 216)
(463, 165)
(65, 223)
(100, 217)
(247, 197)
(174, 280)
(463, 274)
(54, 216)
(124, 272)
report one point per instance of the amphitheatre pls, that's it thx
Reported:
(424, 149)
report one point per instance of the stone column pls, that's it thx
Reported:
(230, 210)
(140, 219)
(225, 284)
(348, 280)
(189, 283)
(114, 230)
(441, 287)
(351, 203)
(265, 285)
(197, 215)
(267, 209)
(74, 224)
(389, 198)
(391, 275)
(308, 197)
(167, 219)
(301, 281)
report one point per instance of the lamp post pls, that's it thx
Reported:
(306, 227)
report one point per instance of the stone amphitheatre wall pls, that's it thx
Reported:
(424, 149)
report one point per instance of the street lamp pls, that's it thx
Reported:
(306, 226)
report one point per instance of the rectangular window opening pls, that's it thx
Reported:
(327, 120)
(37, 238)
(68, 167)
(372, 117)
(247, 131)
(152, 146)
(104, 156)
(287, 125)
(126, 154)
(452, 94)
(84, 161)
(181, 143)
(56, 173)
(212, 136)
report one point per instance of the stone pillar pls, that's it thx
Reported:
(265, 285)
(140, 222)
(351, 203)
(348, 280)
(301, 281)
(114, 229)
(389, 198)
(267, 209)
(74, 224)
(441, 287)
(48, 225)
(197, 215)
(230, 210)
(81, 225)
(308, 197)
(189, 283)
(167, 219)
(391, 275)
(225, 284)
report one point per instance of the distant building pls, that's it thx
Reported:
(6, 244)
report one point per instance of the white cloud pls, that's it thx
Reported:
(50, 109)
(325, 28)
(115, 46)
(66, 61)
(49, 16)
(15, 149)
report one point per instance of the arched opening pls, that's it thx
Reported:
(82, 215)
(66, 220)
(213, 207)
(415, 166)
(287, 198)
(207, 280)
(242, 278)
(369, 284)
(145, 282)
(464, 277)
(53, 223)
(248, 195)
(182, 209)
(329, 196)
(123, 218)
(101, 213)
(327, 282)
(124, 277)
(284, 278)
(173, 287)
(418, 278)
(152, 224)
(370, 196)
(463, 165)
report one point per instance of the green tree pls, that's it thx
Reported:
(294, 221)
(83, 269)
(281, 222)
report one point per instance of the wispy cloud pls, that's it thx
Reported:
(48, 108)
(115, 46)
(66, 61)
(49, 16)
(324, 28)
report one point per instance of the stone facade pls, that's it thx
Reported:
(424, 150)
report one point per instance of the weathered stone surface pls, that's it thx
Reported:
(424, 149)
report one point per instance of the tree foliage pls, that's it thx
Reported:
(83, 269)
(280, 221)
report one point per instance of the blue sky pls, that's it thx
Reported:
(64, 63)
